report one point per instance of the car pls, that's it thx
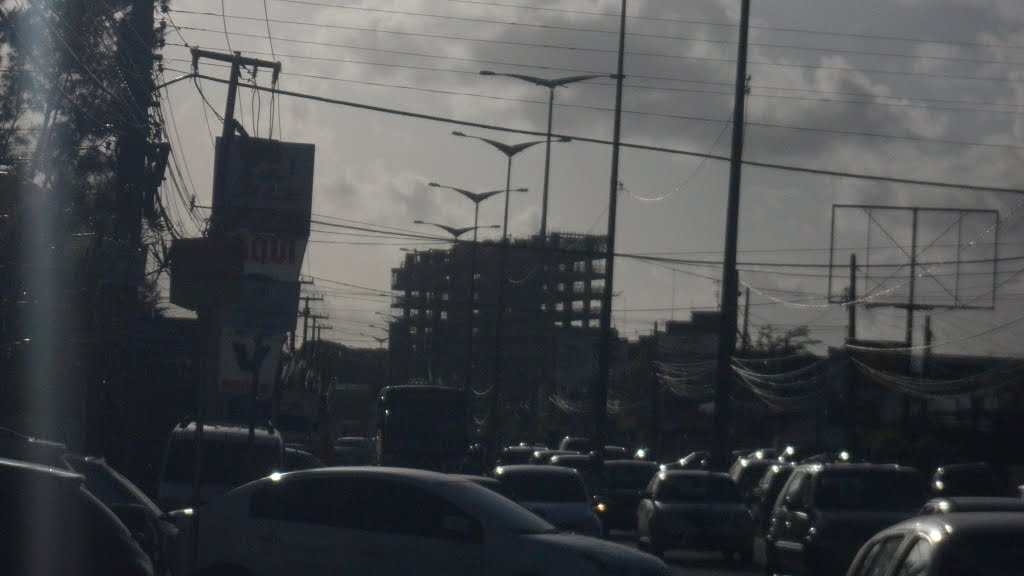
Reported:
(391, 521)
(617, 453)
(486, 481)
(763, 454)
(556, 494)
(747, 474)
(968, 479)
(17, 446)
(961, 544)
(545, 456)
(571, 444)
(152, 528)
(295, 459)
(354, 451)
(791, 454)
(825, 512)
(52, 525)
(626, 481)
(590, 467)
(763, 498)
(696, 461)
(516, 455)
(972, 504)
(694, 509)
(226, 461)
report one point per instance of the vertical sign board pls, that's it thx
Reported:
(269, 188)
(234, 379)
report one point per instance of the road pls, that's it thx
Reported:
(690, 563)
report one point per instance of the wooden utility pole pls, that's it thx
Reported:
(745, 345)
(600, 397)
(655, 434)
(730, 276)
(851, 301)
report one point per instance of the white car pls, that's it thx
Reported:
(554, 493)
(390, 521)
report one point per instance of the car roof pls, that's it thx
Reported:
(960, 523)
(222, 431)
(475, 478)
(981, 503)
(533, 470)
(630, 464)
(854, 467)
(572, 458)
(963, 466)
(380, 472)
(670, 474)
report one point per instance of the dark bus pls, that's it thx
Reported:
(422, 427)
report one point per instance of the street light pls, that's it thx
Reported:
(455, 232)
(510, 151)
(380, 340)
(477, 198)
(550, 84)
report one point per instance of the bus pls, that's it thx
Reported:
(422, 426)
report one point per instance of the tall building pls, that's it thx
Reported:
(552, 301)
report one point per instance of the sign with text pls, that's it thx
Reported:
(271, 256)
(268, 189)
(235, 377)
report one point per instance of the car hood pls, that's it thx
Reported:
(561, 513)
(616, 558)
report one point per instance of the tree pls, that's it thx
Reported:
(792, 341)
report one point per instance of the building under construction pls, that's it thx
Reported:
(552, 304)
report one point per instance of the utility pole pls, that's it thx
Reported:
(852, 375)
(655, 446)
(851, 299)
(746, 321)
(730, 276)
(209, 314)
(306, 315)
(600, 396)
(907, 404)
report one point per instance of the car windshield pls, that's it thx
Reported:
(494, 506)
(870, 490)
(533, 487)
(630, 477)
(682, 489)
(984, 555)
(224, 462)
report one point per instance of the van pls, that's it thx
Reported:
(226, 461)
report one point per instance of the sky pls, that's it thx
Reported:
(913, 89)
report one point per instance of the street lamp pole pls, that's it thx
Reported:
(550, 84)
(510, 151)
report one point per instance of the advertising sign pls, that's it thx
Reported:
(271, 256)
(265, 305)
(268, 189)
(235, 377)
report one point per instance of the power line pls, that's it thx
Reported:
(752, 26)
(769, 165)
(995, 79)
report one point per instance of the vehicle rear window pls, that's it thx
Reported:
(870, 490)
(682, 489)
(223, 462)
(630, 477)
(748, 476)
(987, 554)
(544, 487)
(722, 490)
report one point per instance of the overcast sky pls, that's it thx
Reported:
(934, 89)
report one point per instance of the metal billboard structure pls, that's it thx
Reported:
(914, 258)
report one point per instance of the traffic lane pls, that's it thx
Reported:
(695, 563)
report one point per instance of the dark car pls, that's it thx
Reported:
(556, 494)
(572, 444)
(694, 509)
(590, 469)
(626, 481)
(295, 459)
(763, 498)
(696, 461)
(970, 479)
(972, 504)
(488, 482)
(152, 529)
(747, 474)
(516, 455)
(966, 544)
(545, 456)
(52, 525)
(825, 512)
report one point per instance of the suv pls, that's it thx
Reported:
(225, 464)
(825, 512)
